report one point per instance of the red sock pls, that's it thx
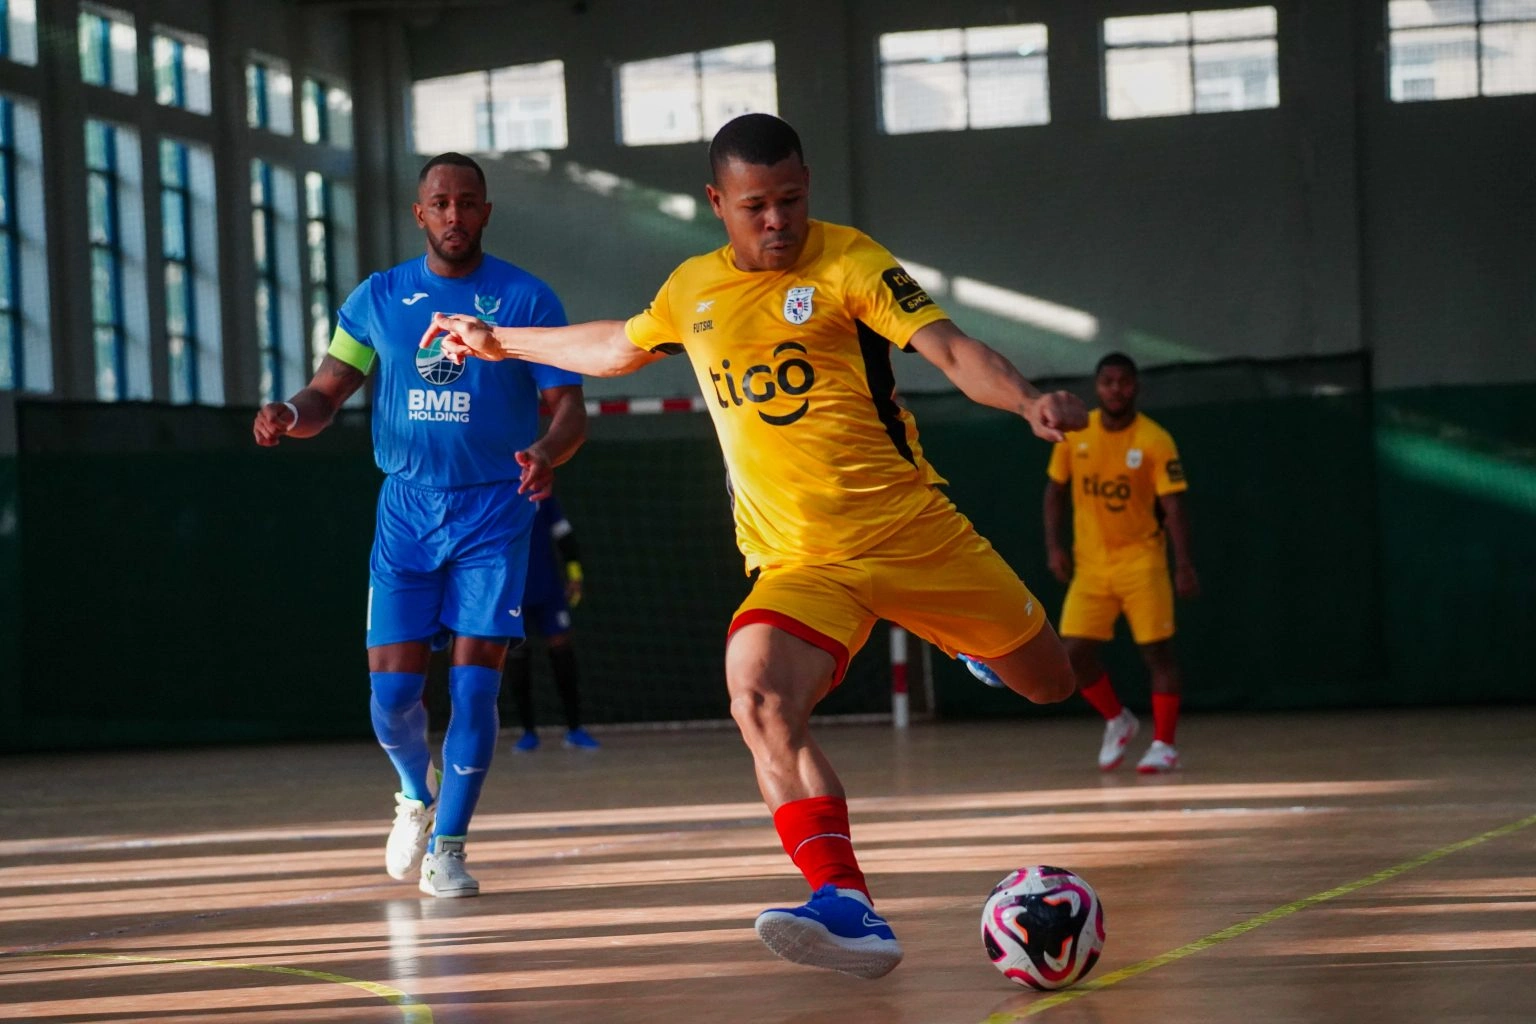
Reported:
(814, 832)
(1165, 716)
(1102, 696)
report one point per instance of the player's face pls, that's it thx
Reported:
(765, 210)
(451, 208)
(1117, 387)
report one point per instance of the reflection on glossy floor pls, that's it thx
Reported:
(248, 885)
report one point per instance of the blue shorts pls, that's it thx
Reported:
(448, 559)
(548, 614)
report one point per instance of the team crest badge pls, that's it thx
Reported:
(1133, 459)
(797, 305)
(486, 307)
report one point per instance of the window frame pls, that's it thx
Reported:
(1477, 24)
(964, 59)
(270, 353)
(112, 246)
(697, 58)
(10, 237)
(187, 261)
(1190, 44)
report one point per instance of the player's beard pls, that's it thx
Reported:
(468, 254)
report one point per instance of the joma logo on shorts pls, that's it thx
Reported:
(1115, 492)
(762, 383)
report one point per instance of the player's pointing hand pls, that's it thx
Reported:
(1052, 416)
(462, 336)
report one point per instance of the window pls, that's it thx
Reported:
(318, 241)
(181, 72)
(269, 330)
(1200, 63)
(688, 96)
(269, 96)
(12, 352)
(109, 49)
(177, 245)
(327, 114)
(18, 31)
(957, 78)
(25, 342)
(1450, 49)
(109, 326)
(499, 111)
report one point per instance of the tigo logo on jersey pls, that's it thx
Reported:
(797, 304)
(1116, 493)
(761, 383)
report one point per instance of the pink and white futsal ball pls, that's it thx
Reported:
(1043, 927)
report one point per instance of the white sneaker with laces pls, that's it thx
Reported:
(413, 827)
(1118, 733)
(1160, 757)
(443, 873)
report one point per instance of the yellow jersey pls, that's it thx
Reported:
(1117, 477)
(795, 369)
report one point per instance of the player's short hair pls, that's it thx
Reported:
(451, 160)
(760, 139)
(1119, 359)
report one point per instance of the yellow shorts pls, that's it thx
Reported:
(936, 577)
(1139, 588)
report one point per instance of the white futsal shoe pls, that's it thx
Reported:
(413, 827)
(1160, 757)
(443, 873)
(1118, 733)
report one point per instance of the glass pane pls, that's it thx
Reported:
(320, 324)
(178, 312)
(103, 286)
(279, 101)
(311, 102)
(167, 77)
(934, 44)
(1237, 76)
(98, 146)
(125, 56)
(314, 195)
(737, 80)
(314, 240)
(338, 105)
(1509, 58)
(1151, 29)
(1008, 92)
(180, 351)
(264, 314)
(194, 72)
(98, 205)
(93, 51)
(106, 364)
(5, 192)
(923, 98)
(1424, 13)
(528, 106)
(444, 111)
(255, 97)
(1434, 64)
(259, 239)
(1509, 10)
(173, 218)
(7, 266)
(8, 353)
(1243, 23)
(1005, 41)
(659, 101)
(21, 25)
(258, 183)
(171, 164)
(1147, 83)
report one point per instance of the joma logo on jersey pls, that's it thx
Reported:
(761, 383)
(437, 406)
(1116, 492)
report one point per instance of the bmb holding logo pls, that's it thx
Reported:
(1116, 493)
(761, 383)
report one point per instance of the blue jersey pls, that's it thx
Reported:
(437, 424)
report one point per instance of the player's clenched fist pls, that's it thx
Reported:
(461, 336)
(1054, 415)
(273, 422)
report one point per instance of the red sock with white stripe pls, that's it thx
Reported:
(814, 832)
(1102, 696)
(1165, 716)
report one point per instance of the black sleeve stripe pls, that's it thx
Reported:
(671, 348)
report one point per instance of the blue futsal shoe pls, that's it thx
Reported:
(982, 671)
(838, 929)
(579, 739)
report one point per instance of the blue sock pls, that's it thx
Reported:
(468, 747)
(400, 723)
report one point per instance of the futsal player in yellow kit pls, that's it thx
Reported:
(789, 329)
(1126, 485)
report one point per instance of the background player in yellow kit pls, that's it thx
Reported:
(789, 329)
(1126, 483)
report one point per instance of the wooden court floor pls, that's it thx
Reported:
(1357, 868)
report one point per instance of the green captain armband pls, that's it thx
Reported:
(349, 350)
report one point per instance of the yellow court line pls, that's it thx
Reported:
(1243, 927)
(412, 1011)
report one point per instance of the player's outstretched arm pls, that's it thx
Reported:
(334, 382)
(985, 377)
(599, 348)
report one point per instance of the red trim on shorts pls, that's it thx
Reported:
(796, 629)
